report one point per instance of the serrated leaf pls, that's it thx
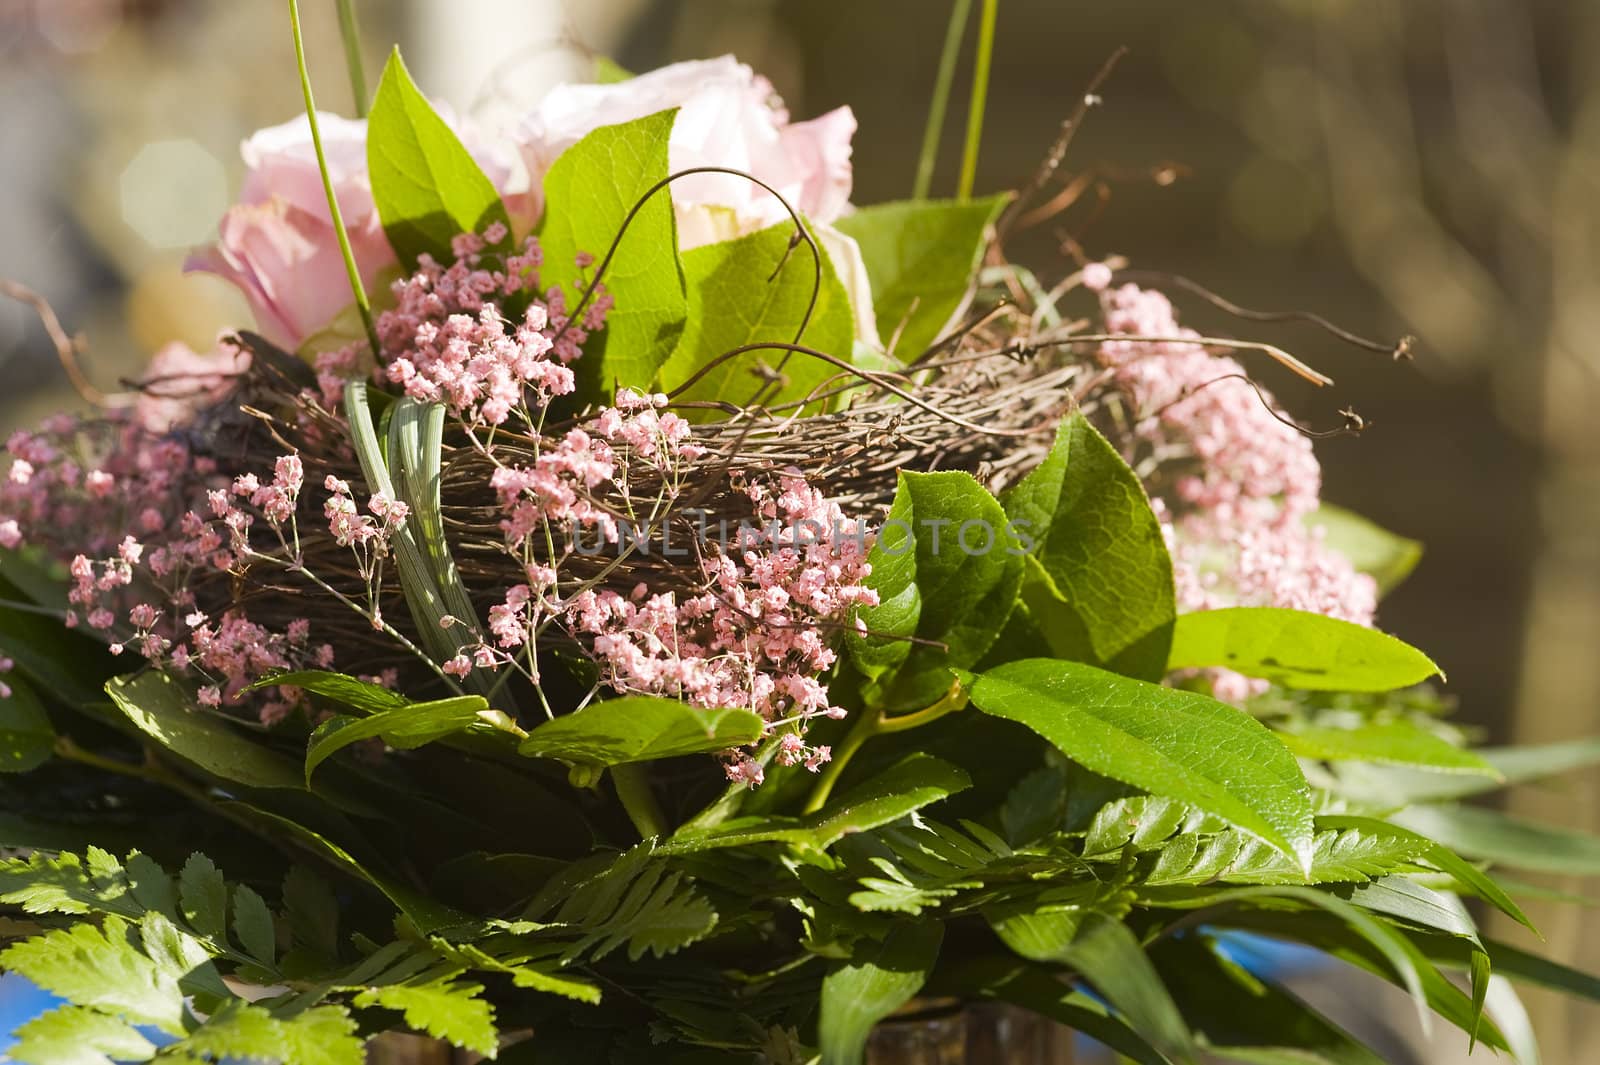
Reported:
(73, 1035)
(237, 1030)
(406, 728)
(738, 295)
(1170, 743)
(877, 980)
(160, 708)
(425, 184)
(449, 1011)
(103, 969)
(1297, 649)
(640, 728)
(252, 923)
(312, 912)
(45, 883)
(26, 736)
(1089, 519)
(325, 1035)
(1350, 855)
(204, 897)
(589, 191)
(1371, 549)
(922, 259)
(150, 885)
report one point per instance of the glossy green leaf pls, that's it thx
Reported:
(1172, 743)
(1371, 549)
(922, 259)
(1103, 591)
(589, 191)
(342, 688)
(26, 736)
(406, 728)
(425, 184)
(891, 624)
(1297, 649)
(738, 295)
(164, 711)
(968, 567)
(1511, 765)
(1109, 956)
(640, 728)
(1402, 897)
(915, 781)
(1397, 742)
(877, 980)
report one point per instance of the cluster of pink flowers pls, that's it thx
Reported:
(1237, 524)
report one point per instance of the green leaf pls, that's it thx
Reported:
(163, 710)
(640, 728)
(101, 968)
(589, 191)
(967, 569)
(739, 295)
(325, 1035)
(252, 923)
(1108, 955)
(877, 980)
(1404, 898)
(1297, 649)
(633, 899)
(449, 1011)
(425, 184)
(342, 688)
(915, 781)
(1397, 742)
(1475, 832)
(891, 623)
(26, 737)
(312, 912)
(1338, 855)
(1512, 765)
(1372, 550)
(61, 663)
(1168, 742)
(73, 1035)
(407, 728)
(922, 258)
(1103, 590)
(203, 895)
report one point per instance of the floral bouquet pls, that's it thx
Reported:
(649, 609)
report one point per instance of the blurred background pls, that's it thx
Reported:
(1431, 167)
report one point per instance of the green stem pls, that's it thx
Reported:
(941, 97)
(873, 723)
(633, 788)
(980, 97)
(327, 182)
(350, 31)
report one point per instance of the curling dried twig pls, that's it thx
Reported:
(67, 347)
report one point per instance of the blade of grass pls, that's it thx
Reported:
(351, 269)
(350, 31)
(980, 97)
(941, 97)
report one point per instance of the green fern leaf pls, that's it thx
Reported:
(204, 897)
(44, 883)
(74, 1035)
(252, 923)
(103, 969)
(449, 1011)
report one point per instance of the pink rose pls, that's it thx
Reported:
(728, 116)
(278, 244)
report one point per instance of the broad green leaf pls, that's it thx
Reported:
(1172, 743)
(915, 781)
(640, 728)
(74, 1035)
(1297, 649)
(449, 1011)
(1474, 832)
(1397, 742)
(922, 258)
(406, 728)
(1109, 956)
(425, 184)
(589, 192)
(968, 567)
(26, 738)
(1371, 549)
(891, 624)
(739, 295)
(1404, 898)
(163, 710)
(341, 688)
(1103, 590)
(877, 980)
(1512, 765)
(102, 968)
(61, 663)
